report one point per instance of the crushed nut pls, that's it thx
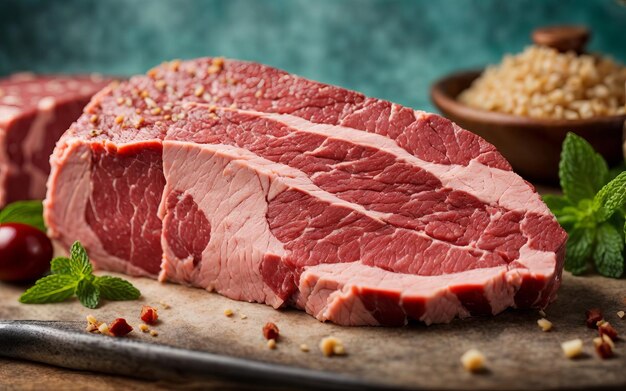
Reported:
(304, 347)
(544, 324)
(593, 316)
(144, 327)
(270, 331)
(149, 314)
(228, 312)
(140, 121)
(473, 360)
(165, 305)
(572, 348)
(119, 327)
(271, 344)
(154, 333)
(621, 314)
(92, 324)
(160, 85)
(103, 328)
(119, 119)
(156, 111)
(93, 119)
(120, 100)
(331, 346)
(242, 316)
(542, 313)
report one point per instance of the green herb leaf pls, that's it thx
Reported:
(74, 275)
(51, 289)
(579, 249)
(79, 261)
(24, 212)
(556, 203)
(60, 265)
(582, 171)
(608, 251)
(610, 198)
(88, 293)
(114, 288)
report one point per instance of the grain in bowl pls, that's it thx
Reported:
(541, 82)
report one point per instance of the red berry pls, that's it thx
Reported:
(25, 252)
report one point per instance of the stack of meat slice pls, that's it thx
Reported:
(267, 187)
(34, 113)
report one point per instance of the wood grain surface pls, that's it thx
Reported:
(519, 355)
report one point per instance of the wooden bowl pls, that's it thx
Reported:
(531, 145)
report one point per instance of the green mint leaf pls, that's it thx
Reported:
(60, 265)
(114, 288)
(579, 249)
(51, 289)
(608, 253)
(582, 171)
(79, 261)
(556, 203)
(610, 198)
(25, 212)
(88, 293)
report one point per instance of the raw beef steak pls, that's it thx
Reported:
(266, 187)
(34, 113)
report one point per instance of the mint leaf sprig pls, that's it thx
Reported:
(74, 276)
(592, 209)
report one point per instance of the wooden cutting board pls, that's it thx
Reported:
(196, 339)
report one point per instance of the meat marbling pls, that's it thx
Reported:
(34, 113)
(267, 187)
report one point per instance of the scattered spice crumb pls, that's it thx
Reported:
(608, 330)
(621, 314)
(304, 347)
(119, 119)
(593, 316)
(473, 360)
(144, 327)
(271, 344)
(544, 324)
(331, 346)
(149, 314)
(93, 119)
(270, 331)
(242, 316)
(228, 312)
(119, 327)
(165, 305)
(542, 313)
(604, 346)
(154, 333)
(572, 348)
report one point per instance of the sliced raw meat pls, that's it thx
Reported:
(34, 113)
(296, 193)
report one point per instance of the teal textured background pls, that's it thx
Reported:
(388, 49)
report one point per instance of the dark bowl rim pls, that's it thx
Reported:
(447, 103)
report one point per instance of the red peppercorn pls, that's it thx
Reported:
(270, 331)
(120, 327)
(608, 330)
(149, 314)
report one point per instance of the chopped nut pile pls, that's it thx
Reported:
(473, 360)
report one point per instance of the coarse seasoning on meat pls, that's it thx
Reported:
(266, 187)
(34, 113)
